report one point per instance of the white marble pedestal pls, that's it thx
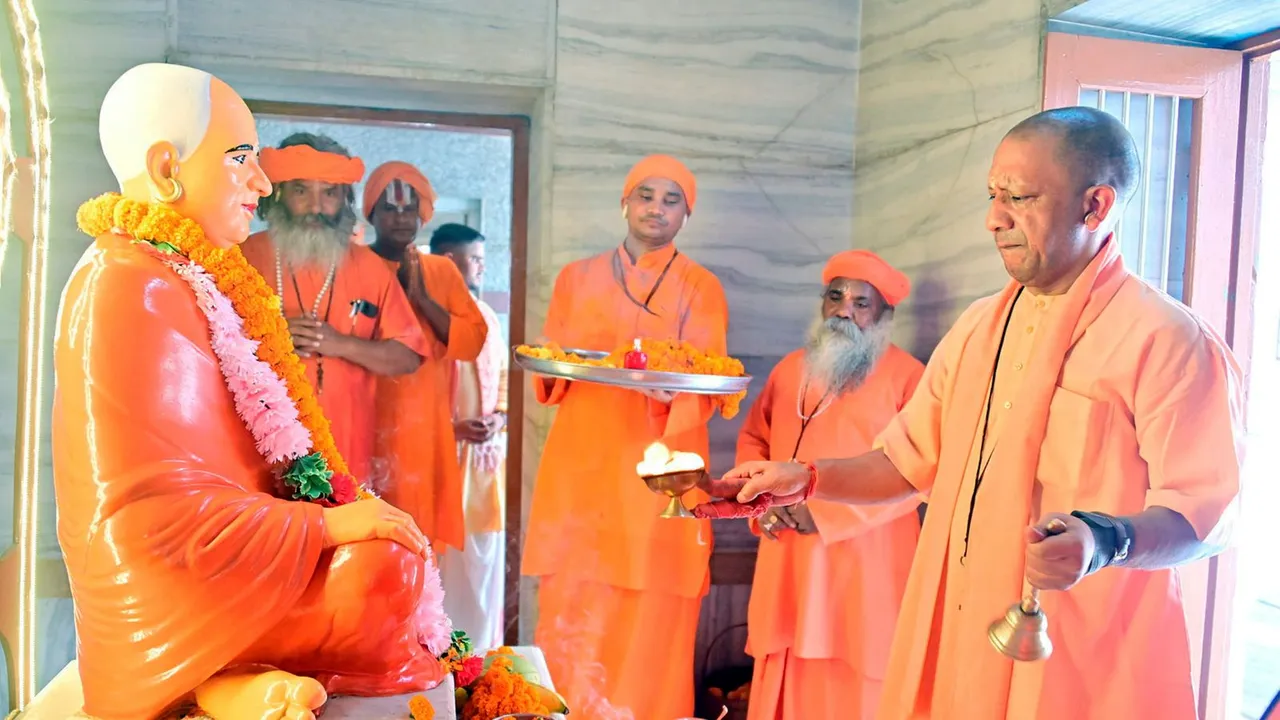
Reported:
(395, 707)
(63, 697)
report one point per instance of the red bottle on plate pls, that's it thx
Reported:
(635, 359)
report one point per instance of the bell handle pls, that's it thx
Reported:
(1031, 602)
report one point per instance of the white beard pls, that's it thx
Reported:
(840, 355)
(302, 245)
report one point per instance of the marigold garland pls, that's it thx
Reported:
(254, 301)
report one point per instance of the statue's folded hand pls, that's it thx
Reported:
(372, 519)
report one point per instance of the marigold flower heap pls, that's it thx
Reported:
(501, 691)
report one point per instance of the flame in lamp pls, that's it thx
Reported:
(659, 460)
(671, 474)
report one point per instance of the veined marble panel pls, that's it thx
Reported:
(941, 83)
(477, 40)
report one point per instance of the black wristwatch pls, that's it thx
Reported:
(1113, 538)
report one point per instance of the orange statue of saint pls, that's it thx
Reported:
(219, 554)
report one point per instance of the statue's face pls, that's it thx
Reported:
(222, 181)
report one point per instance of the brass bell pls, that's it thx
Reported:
(1022, 633)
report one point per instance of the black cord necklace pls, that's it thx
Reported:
(986, 422)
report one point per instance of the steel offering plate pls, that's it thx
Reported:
(634, 379)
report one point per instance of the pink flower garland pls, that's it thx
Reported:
(261, 397)
(435, 630)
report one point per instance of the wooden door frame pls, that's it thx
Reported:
(1232, 205)
(519, 127)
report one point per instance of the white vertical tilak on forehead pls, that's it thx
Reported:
(398, 194)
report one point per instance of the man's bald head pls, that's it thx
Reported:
(149, 104)
(1096, 146)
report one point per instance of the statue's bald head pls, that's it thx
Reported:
(152, 103)
(1096, 147)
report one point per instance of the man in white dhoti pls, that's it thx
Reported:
(473, 578)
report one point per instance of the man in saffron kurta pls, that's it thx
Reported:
(473, 578)
(192, 579)
(1114, 411)
(830, 577)
(351, 321)
(417, 457)
(620, 587)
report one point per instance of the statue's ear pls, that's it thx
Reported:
(162, 166)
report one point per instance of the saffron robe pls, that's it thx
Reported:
(347, 391)
(181, 560)
(416, 467)
(823, 605)
(1122, 400)
(595, 537)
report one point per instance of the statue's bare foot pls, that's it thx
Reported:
(260, 694)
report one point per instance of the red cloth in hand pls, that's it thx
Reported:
(730, 509)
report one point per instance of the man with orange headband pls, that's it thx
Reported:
(417, 458)
(830, 577)
(187, 448)
(621, 588)
(350, 320)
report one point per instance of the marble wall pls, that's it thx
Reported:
(813, 125)
(940, 84)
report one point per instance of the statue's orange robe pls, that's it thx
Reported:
(416, 464)
(823, 606)
(348, 390)
(621, 587)
(1111, 398)
(181, 560)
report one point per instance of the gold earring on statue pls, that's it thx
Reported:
(171, 197)
(624, 213)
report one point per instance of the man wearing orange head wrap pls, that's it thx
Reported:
(830, 577)
(350, 320)
(621, 588)
(417, 457)
(187, 445)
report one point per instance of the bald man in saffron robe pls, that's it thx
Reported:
(621, 587)
(351, 321)
(830, 577)
(417, 456)
(1079, 432)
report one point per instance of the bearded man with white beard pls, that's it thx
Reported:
(829, 577)
(350, 319)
